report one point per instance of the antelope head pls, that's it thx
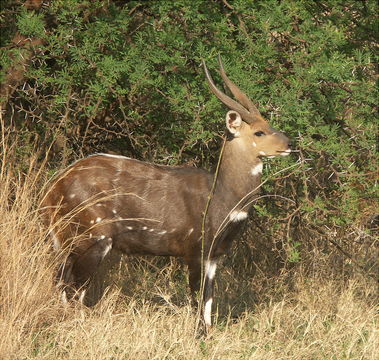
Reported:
(246, 124)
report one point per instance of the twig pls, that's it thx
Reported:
(230, 7)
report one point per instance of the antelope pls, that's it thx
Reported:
(105, 203)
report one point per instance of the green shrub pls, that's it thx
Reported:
(126, 77)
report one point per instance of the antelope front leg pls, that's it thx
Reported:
(194, 268)
(210, 271)
(76, 274)
(194, 278)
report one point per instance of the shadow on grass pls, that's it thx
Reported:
(242, 280)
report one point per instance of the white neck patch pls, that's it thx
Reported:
(238, 215)
(257, 169)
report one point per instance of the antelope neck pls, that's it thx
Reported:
(239, 174)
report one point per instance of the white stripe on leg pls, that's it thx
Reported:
(210, 272)
(64, 297)
(210, 269)
(208, 312)
(81, 297)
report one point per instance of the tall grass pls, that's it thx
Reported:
(314, 318)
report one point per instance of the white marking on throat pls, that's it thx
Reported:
(208, 312)
(286, 152)
(237, 215)
(257, 169)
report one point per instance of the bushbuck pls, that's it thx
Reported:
(106, 203)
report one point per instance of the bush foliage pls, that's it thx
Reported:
(126, 77)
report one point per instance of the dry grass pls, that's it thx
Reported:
(314, 320)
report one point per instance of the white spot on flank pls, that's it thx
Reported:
(162, 232)
(92, 222)
(238, 215)
(90, 235)
(207, 312)
(114, 211)
(98, 219)
(144, 228)
(257, 169)
(151, 230)
(129, 227)
(71, 196)
(210, 269)
(102, 237)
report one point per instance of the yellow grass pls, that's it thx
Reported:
(316, 319)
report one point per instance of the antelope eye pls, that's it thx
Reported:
(259, 133)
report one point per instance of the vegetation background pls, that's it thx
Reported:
(80, 76)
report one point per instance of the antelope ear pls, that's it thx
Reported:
(233, 122)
